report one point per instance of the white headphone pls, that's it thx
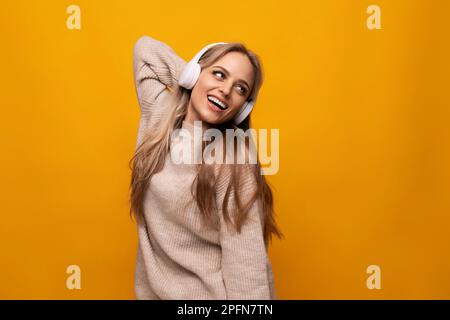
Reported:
(191, 72)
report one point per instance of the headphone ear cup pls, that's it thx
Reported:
(196, 70)
(244, 112)
(191, 72)
(190, 75)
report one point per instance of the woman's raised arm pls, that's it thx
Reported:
(156, 68)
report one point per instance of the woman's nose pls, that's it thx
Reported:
(225, 89)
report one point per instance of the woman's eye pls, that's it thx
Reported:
(219, 72)
(221, 76)
(242, 90)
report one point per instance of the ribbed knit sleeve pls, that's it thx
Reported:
(246, 268)
(156, 69)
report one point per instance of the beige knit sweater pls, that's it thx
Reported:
(177, 257)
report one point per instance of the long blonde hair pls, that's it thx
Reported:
(150, 157)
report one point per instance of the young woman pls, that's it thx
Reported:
(203, 228)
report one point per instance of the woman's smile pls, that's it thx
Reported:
(214, 105)
(214, 108)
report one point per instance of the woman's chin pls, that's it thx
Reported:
(211, 117)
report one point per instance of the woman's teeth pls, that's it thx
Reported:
(217, 102)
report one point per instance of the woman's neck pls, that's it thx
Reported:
(190, 119)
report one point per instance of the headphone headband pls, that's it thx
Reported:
(206, 48)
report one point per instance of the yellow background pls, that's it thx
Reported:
(364, 140)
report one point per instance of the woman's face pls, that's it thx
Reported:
(229, 80)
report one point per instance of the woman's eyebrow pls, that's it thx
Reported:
(228, 73)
